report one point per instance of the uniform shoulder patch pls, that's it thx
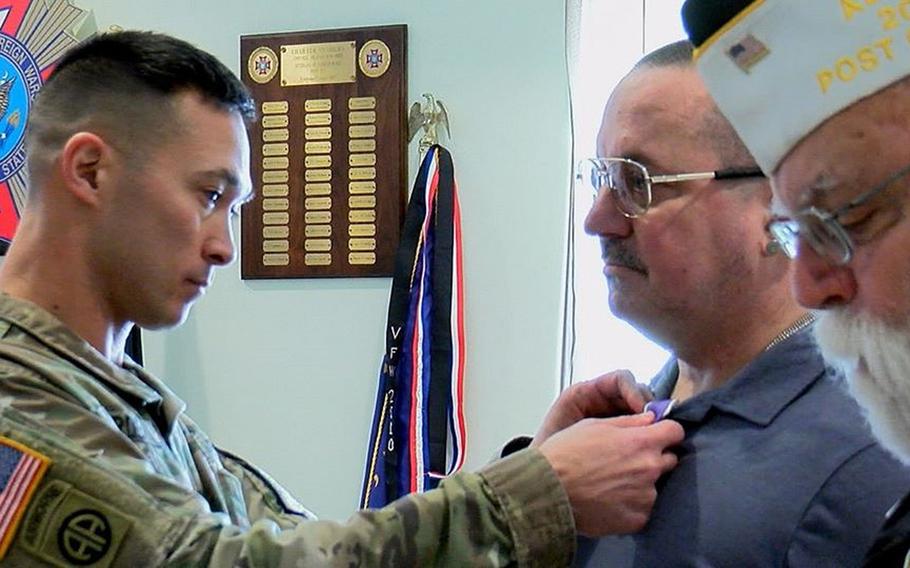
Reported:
(21, 469)
(67, 527)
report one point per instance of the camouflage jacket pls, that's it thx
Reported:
(132, 481)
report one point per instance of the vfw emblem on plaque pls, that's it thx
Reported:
(34, 34)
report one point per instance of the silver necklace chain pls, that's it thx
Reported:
(804, 321)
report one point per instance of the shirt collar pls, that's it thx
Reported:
(130, 381)
(758, 392)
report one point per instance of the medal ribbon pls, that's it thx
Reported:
(418, 432)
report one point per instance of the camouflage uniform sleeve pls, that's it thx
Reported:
(512, 513)
(536, 506)
(86, 512)
(262, 495)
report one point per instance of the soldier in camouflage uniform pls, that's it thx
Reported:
(142, 136)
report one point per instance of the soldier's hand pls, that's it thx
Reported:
(609, 467)
(611, 394)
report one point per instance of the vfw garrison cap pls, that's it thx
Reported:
(779, 68)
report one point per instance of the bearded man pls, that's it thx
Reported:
(820, 94)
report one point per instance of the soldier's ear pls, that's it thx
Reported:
(82, 159)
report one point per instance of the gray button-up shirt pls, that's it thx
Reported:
(778, 469)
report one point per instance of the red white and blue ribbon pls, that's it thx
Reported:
(418, 433)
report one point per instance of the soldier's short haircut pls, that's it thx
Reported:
(122, 85)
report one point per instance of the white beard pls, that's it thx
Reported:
(875, 357)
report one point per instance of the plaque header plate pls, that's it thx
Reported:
(318, 63)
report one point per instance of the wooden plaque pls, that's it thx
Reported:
(328, 152)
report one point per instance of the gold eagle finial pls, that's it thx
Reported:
(427, 117)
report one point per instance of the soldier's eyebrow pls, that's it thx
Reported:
(225, 176)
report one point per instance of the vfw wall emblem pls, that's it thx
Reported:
(34, 34)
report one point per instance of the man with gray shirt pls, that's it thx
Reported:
(777, 468)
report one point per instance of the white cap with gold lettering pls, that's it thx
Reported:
(780, 68)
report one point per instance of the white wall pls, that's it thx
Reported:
(284, 372)
(626, 30)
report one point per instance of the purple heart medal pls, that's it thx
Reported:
(660, 408)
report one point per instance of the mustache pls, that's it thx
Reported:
(619, 252)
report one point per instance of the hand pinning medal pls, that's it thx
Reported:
(660, 408)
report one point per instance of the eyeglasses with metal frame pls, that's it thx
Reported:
(822, 229)
(630, 182)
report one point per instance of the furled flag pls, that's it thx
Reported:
(418, 434)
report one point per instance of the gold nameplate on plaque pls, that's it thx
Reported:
(318, 63)
(318, 203)
(362, 145)
(318, 133)
(362, 201)
(362, 117)
(278, 163)
(317, 217)
(314, 231)
(361, 103)
(317, 245)
(328, 152)
(361, 244)
(362, 173)
(276, 259)
(276, 218)
(318, 105)
(275, 150)
(318, 175)
(357, 160)
(318, 119)
(319, 161)
(275, 177)
(275, 190)
(275, 121)
(312, 189)
(275, 246)
(362, 230)
(362, 258)
(275, 204)
(362, 131)
(276, 135)
(362, 187)
(318, 148)
(317, 259)
(275, 107)
(362, 216)
(276, 232)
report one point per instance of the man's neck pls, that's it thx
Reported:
(65, 292)
(710, 367)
